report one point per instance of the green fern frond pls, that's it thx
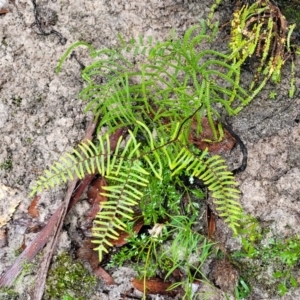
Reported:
(212, 170)
(215, 175)
(123, 193)
(123, 171)
(158, 100)
(70, 49)
(87, 159)
(140, 46)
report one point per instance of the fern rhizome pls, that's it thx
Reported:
(158, 100)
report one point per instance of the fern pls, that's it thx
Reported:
(128, 170)
(136, 47)
(213, 171)
(177, 85)
(175, 75)
(121, 168)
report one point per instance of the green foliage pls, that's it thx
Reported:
(68, 279)
(242, 291)
(68, 297)
(186, 252)
(174, 75)
(272, 95)
(137, 47)
(211, 13)
(128, 172)
(256, 255)
(159, 100)
(8, 294)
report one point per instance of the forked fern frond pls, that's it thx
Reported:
(213, 171)
(175, 74)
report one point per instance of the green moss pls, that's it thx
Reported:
(8, 294)
(68, 279)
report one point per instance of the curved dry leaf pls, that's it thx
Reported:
(32, 210)
(211, 222)
(101, 273)
(226, 144)
(121, 241)
(95, 197)
(155, 286)
(3, 11)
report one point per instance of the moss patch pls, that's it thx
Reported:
(8, 294)
(68, 279)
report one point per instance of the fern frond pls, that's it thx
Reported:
(212, 170)
(176, 79)
(66, 54)
(86, 159)
(140, 46)
(220, 182)
(124, 173)
(123, 193)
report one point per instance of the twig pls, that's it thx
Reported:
(243, 148)
(37, 22)
(31, 250)
(39, 286)
(74, 55)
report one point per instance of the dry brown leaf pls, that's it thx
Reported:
(211, 222)
(154, 286)
(114, 138)
(86, 253)
(95, 197)
(101, 273)
(121, 241)
(32, 210)
(226, 144)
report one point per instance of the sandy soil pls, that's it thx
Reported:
(41, 115)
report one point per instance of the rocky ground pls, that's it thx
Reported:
(41, 115)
